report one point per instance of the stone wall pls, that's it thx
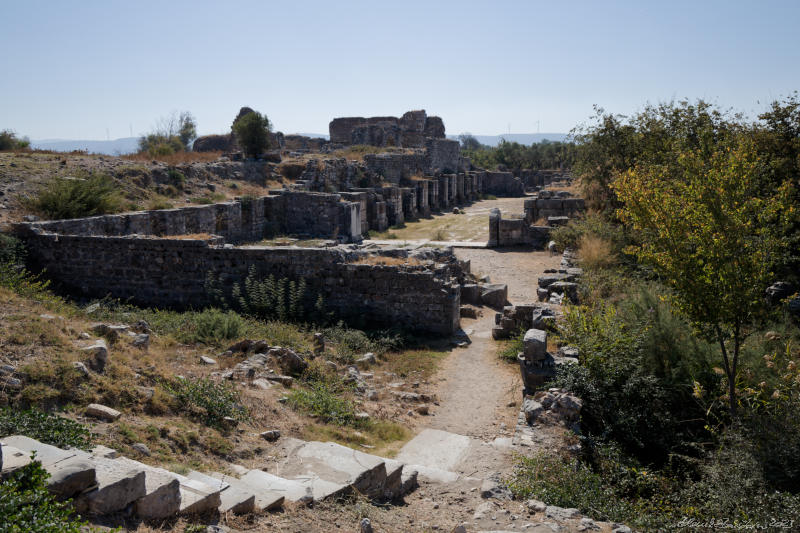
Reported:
(444, 155)
(515, 232)
(408, 131)
(171, 273)
(548, 205)
(301, 213)
(502, 184)
(296, 143)
(396, 168)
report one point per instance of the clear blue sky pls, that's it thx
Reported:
(72, 69)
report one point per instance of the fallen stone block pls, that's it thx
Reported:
(495, 295)
(98, 355)
(95, 410)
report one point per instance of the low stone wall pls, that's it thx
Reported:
(515, 232)
(164, 272)
(541, 178)
(301, 213)
(553, 206)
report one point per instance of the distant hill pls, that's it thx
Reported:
(126, 145)
(522, 138)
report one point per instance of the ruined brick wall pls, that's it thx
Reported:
(306, 213)
(171, 273)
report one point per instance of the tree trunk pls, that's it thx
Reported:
(730, 369)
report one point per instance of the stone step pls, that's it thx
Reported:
(232, 499)
(197, 497)
(265, 500)
(118, 485)
(334, 463)
(436, 449)
(306, 489)
(70, 472)
(162, 491)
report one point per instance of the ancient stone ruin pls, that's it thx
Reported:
(409, 131)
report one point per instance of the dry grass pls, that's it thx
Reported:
(575, 188)
(178, 158)
(595, 253)
(387, 261)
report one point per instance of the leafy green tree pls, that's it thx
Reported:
(252, 133)
(714, 233)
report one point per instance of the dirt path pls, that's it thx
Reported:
(478, 393)
(471, 226)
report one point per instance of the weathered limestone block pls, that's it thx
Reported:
(535, 344)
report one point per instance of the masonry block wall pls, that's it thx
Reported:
(515, 231)
(246, 220)
(164, 272)
(502, 184)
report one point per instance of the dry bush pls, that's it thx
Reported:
(595, 253)
(177, 158)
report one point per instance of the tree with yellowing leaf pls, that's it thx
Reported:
(714, 230)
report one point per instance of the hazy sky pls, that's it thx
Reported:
(75, 69)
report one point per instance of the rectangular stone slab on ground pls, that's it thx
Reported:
(334, 463)
(265, 500)
(232, 499)
(434, 448)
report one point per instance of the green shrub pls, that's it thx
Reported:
(624, 401)
(206, 400)
(27, 506)
(512, 347)
(176, 178)
(567, 483)
(44, 427)
(268, 298)
(324, 401)
(13, 275)
(76, 198)
(592, 225)
(210, 326)
(350, 343)
(10, 141)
